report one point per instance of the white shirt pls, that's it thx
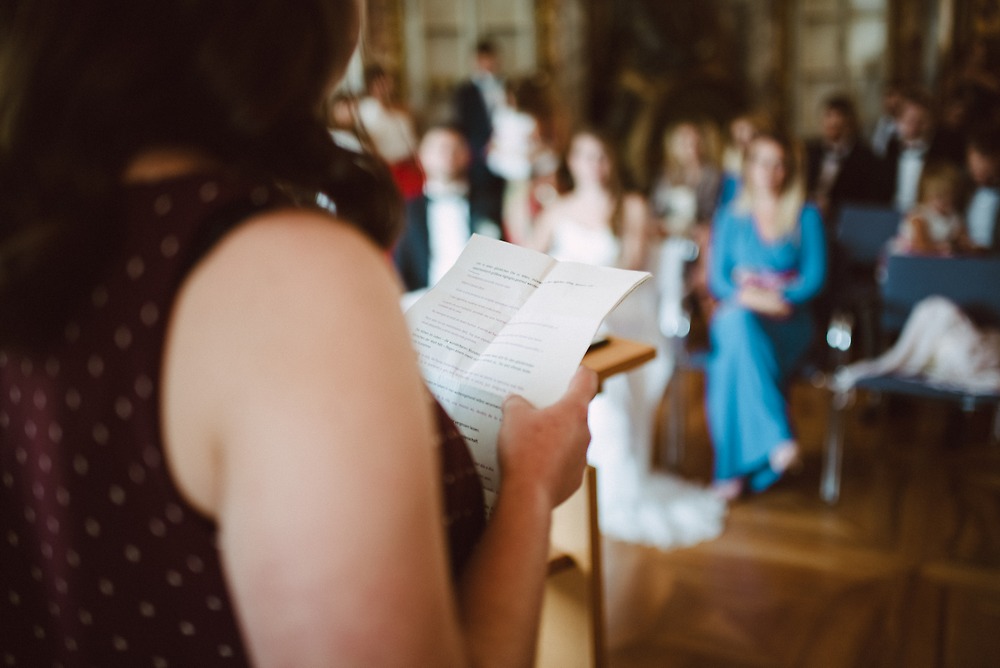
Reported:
(448, 229)
(911, 164)
(391, 130)
(982, 216)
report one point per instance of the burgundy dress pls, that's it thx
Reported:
(102, 562)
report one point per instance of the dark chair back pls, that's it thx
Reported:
(973, 283)
(862, 232)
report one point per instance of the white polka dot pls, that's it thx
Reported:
(95, 366)
(46, 550)
(44, 462)
(106, 586)
(85, 617)
(174, 579)
(123, 407)
(14, 597)
(9, 659)
(137, 474)
(100, 433)
(157, 527)
(30, 515)
(62, 586)
(195, 564)
(135, 267)
(55, 432)
(72, 332)
(39, 399)
(12, 538)
(73, 558)
(52, 367)
(259, 196)
(52, 524)
(160, 662)
(151, 457)
(39, 632)
(143, 387)
(149, 314)
(120, 643)
(81, 465)
(62, 497)
(169, 246)
(21, 455)
(187, 628)
(38, 489)
(26, 366)
(4, 420)
(36, 573)
(162, 205)
(71, 644)
(174, 513)
(92, 527)
(123, 337)
(116, 494)
(209, 191)
(15, 394)
(8, 480)
(214, 603)
(30, 429)
(54, 609)
(147, 609)
(73, 399)
(133, 554)
(225, 651)
(99, 297)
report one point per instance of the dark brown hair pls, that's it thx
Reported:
(86, 86)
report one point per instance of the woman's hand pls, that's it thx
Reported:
(765, 301)
(547, 448)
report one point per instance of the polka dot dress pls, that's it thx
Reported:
(102, 562)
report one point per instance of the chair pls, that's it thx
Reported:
(972, 284)
(860, 237)
(572, 624)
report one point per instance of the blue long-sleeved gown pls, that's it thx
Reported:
(752, 355)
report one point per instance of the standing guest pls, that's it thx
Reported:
(391, 130)
(982, 216)
(885, 124)
(475, 102)
(839, 167)
(908, 152)
(440, 222)
(768, 261)
(217, 448)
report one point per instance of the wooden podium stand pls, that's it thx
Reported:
(572, 626)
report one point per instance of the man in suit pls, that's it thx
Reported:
(440, 221)
(982, 215)
(913, 147)
(839, 166)
(475, 101)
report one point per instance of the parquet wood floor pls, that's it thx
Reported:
(904, 571)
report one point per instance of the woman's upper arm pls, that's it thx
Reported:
(812, 273)
(295, 415)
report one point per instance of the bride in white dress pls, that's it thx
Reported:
(598, 223)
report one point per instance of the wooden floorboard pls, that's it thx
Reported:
(903, 571)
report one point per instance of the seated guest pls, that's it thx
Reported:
(687, 188)
(982, 216)
(839, 166)
(441, 220)
(768, 261)
(935, 226)
(909, 150)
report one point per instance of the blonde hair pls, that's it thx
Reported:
(938, 178)
(792, 195)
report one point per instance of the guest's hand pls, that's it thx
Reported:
(765, 301)
(547, 448)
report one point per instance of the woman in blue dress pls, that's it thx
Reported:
(768, 260)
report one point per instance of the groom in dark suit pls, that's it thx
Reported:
(475, 100)
(441, 220)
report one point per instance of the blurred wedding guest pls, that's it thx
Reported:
(515, 148)
(475, 101)
(885, 124)
(982, 216)
(391, 130)
(441, 220)
(908, 152)
(598, 222)
(686, 191)
(839, 166)
(768, 261)
(935, 225)
(341, 113)
(741, 131)
(217, 448)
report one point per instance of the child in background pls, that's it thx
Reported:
(935, 225)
